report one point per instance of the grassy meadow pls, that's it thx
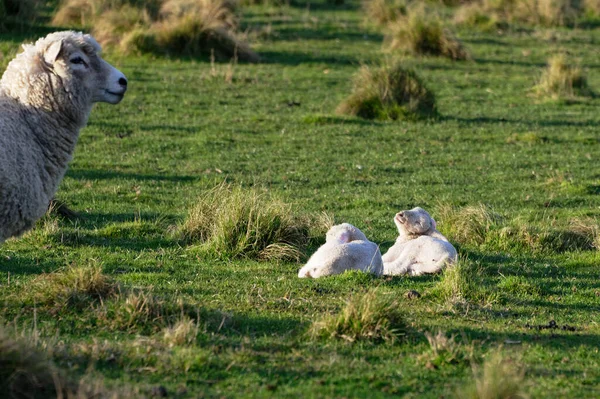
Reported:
(121, 300)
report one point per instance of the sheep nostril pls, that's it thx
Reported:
(123, 82)
(401, 214)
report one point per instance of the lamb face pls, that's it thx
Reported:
(414, 222)
(77, 60)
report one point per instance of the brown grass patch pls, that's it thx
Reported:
(562, 80)
(168, 27)
(422, 32)
(388, 92)
(498, 378)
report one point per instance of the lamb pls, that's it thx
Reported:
(419, 248)
(345, 248)
(46, 96)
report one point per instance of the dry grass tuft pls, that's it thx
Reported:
(497, 378)
(459, 283)
(548, 13)
(26, 372)
(183, 332)
(75, 286)
(422, 32)
(388, 92)
(233, 222)
(444, 350)
(169, 27)
(368, 316)
(469, 225)
(382, 12)
(561, 80)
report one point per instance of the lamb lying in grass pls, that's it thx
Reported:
(46, 95)
(345, 248)
(419, 248)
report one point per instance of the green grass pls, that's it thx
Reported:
(187, 125)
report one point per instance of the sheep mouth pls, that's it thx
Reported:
(115, 94)
(400, 219)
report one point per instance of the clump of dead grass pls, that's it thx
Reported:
(480, 225)
(183, 332)
(562, 80)
(370, 316)
(422, 32)
(547, 13)
(74, 286)
(390, 91)
(498, 378)
(168, 27)
(26, 372)
(444, 350)
(382, 12)
(468, 225)
(234, 222)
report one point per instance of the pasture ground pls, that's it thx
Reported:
(186, 125)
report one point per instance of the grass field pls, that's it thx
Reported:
(187, 125)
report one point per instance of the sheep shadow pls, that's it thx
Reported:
(12, 263)
(118, 231)
(97, 174)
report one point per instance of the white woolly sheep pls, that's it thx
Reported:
(419, 248)
(46, 95)
(345, 248)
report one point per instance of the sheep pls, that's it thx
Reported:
(345, 248)
(46, 95)
(419, 248)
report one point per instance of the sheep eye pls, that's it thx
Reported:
(78, 61)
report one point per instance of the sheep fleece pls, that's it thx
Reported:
(41, 113)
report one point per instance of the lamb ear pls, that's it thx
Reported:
(433, 224)
(344, 237)
(51, 53)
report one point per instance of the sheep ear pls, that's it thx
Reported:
(51, 53)
(433, 224)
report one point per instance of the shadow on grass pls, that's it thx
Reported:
(294, 58)
(557, 339)
(20, 264)
(351, 35)
(98, 174)
(537, 123)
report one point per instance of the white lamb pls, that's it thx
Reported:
(419, 248)
(46, 95)
(345, 248)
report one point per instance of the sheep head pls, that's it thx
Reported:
(344, 233)
(414, 222)
(63, 73)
